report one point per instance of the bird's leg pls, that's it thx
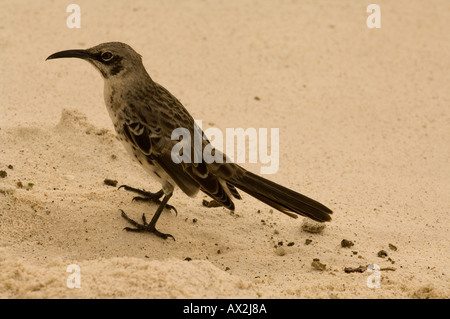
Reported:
(147, 196)
(149, 227)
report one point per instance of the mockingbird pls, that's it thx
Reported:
(145, 114)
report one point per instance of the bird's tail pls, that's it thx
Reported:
(281, 198)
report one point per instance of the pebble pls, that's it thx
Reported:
(312, 226)
(280, 251)
(392, 247)
(346, 243)
(110, 182)
(317, 265)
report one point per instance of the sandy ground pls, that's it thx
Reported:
(364, 128)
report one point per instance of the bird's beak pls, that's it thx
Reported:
(81, 54)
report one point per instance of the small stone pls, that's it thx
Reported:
(3, 174)
(392, 247)
(382, 253)
(360, 269)
(346, 243)
(312, 226)
(290, 292)
(317, 265)
(110, 182)
(280, 251)
(308, 241)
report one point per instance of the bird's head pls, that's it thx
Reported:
(112, 59)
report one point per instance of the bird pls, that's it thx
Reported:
(145, 114)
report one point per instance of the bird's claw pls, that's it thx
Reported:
(148, 196)
(144, 227)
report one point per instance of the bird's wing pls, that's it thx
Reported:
(149, 145)
(150, 128)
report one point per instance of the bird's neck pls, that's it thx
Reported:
(117, 90)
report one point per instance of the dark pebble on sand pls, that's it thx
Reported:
(346, 243)
(392, 247)
(110, 182)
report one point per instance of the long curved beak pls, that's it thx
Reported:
(81, 54)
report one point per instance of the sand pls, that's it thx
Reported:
(363, 116)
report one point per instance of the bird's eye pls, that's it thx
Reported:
(106, 56)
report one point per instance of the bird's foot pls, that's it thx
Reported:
(144, 227)
(148, 196)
